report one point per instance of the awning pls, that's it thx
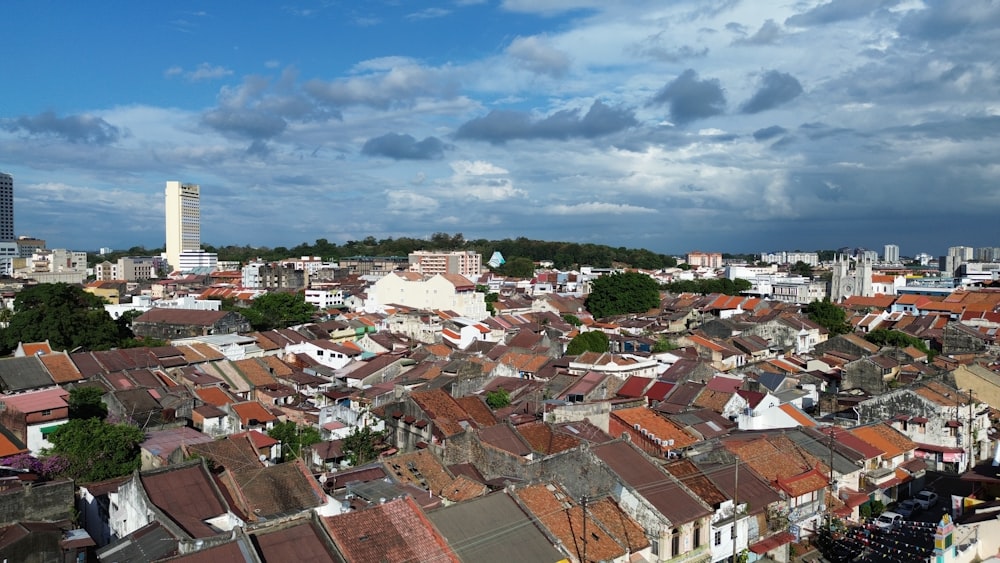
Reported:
(771, 543)
(46, 430)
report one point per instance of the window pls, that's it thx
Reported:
(718, 537)
(655, 547)
(47, 412)
(675, 542)
(697, 535)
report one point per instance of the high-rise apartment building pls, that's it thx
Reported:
(183, 220)
(8, 245)
(890, 254)
(6, 207)
(468, 263)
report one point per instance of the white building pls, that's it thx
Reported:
(784, 257)
(468, 263)
(890, 254)
(442, 292)
(183, 220)
(325, 298)
(197, 259)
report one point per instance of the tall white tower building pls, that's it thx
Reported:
(183, 220)
(890, 254)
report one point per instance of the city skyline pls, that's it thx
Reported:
(719, 126)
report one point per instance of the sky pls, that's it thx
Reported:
(712, 125)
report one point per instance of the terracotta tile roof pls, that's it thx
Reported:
(477, 409)
(61, 368)
(254, 372)
(35, 348)
(503, 437)
(656, 425)
(886, 438)
(443, 410)
(420, 468)
(695, 479)
(634, 386)
(9, 446)
(464, 488)
(34, 401)
(940, 394)
(278, 367)
(774, 457)
(542, 439)
(234, 454)
(214, 396)
(181, 316)
(808, 482)
(252, 410)
(564, 519)
(394, 531)
(714, 400)
(622, 527)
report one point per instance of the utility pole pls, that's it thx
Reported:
(736, 504)
(972, 446)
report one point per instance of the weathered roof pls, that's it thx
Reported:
(21, 374)
(187, 495)
(279, 489)
(394, 531)
(61, 368)
(300, 541)
(181, 316)
(661, 490)
(34, 401)
(493, 529)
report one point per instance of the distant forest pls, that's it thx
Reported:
(564, 255)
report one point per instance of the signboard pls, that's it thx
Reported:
(796, 531)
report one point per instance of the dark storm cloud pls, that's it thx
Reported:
(948, 19)
(404, 147)
(775, 88)
(73, 128)
(246, 123)
(837, 10)
(690, 99)
(769, 132)
(500, 126)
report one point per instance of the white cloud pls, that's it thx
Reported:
(594, 207)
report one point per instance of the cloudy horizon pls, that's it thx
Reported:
(714, 125)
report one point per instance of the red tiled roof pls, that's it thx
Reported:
(773, 542)
(61, 368)
(394, 531)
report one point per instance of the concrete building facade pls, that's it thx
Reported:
(183, 220)
(468, 263)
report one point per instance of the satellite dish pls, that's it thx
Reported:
(263, 457)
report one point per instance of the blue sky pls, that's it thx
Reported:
(717, 125)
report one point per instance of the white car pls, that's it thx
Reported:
(926, 499)
(889, 521)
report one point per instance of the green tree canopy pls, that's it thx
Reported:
(361, 445)
(65, 315)
(278, 310)
(85, 402)
(801, 268)
(519, 267)
(884, 337)
(618, 294)
(663, 344)
(712, 285)
(829, 316)
(498, 398)
(96, 450)
(589, 341)
(293, 438)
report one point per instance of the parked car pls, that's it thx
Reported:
(907, 507)
(926, 499)
(889, 521)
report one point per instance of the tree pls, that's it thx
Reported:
(618, 294)
(572, 319)
(884, 337)
(498, 398)
(65, 315)
(278, 310)
(96, 450)
(589, 341)
(663, 344)
(361, 445)
(802, 269)
(519, 267)
(85, 402)
(293, 438)
(829, 316)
